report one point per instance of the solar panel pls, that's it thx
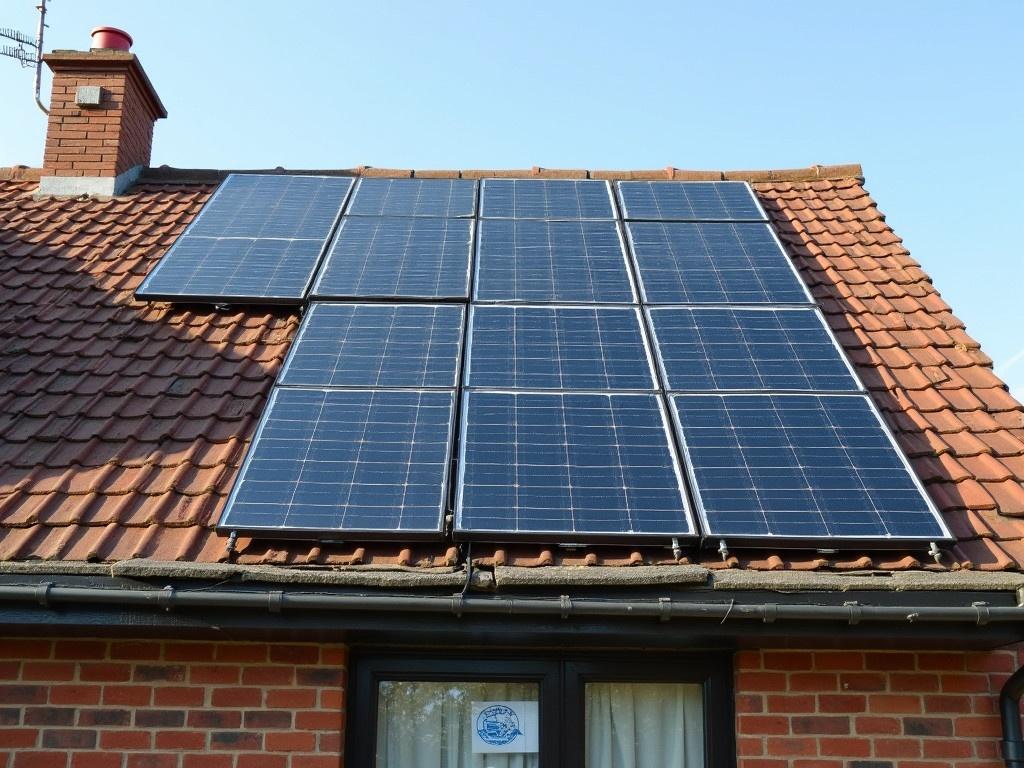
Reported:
(257, 206)
(450, 198)
(546, 199)
(350, 463)
(258, 239)
(376, 345)
(559, 467)
(239, 269)
(713, 264)
(517, 347)
(726, 348)
(552, 261)
(397, 258)
(800, 467)
(689, 201)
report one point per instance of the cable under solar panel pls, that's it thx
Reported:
(557, 347)
(689, 201)
(552, 261)
(450, 198)
(725, 348)
(800, 467)
(376, 345)
(682, 263)
(346, 464)
(397, 258)
(561, 467)
(258, 239)
(545, 199)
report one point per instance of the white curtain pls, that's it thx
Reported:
(644, 725)
(427, 724)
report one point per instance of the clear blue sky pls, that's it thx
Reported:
(926, 95)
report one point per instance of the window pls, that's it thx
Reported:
(668, 711)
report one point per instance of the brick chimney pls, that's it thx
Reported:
(100, 131)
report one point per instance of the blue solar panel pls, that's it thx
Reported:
(398, 258)
(290, 207)
(800, 466)
(747, 349)
(713, 264)
(589, 348)
(552, 261)
(450, 198)
(689, 201)
(350, 463)
(546, 199)
(233, 269)
(376, 345)
(563, 466)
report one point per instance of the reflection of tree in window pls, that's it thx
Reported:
(429, 724)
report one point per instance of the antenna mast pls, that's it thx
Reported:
(28, 52)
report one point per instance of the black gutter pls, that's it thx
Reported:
(1009, 710)
(48, 594)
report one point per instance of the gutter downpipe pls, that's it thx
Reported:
(1009, 710)
(46, 594)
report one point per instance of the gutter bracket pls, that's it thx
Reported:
(665, 606)
(771, 612)
(43, 593)
(983, 613)
(565, 604)
(458, 601)
(855, 612)
(165, 598)
(275, 601)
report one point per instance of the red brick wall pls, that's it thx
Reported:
(98, 141)
(142, 704)
(864, 709)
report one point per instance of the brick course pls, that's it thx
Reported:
(129, 704)
(870, 709)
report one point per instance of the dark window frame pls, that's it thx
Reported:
(562, 680)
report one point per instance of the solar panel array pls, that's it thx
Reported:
(637, 362)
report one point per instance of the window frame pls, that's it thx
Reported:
(561, 679)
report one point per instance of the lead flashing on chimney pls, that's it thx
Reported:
(90, 186)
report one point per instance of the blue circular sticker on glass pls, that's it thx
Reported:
(497, 725)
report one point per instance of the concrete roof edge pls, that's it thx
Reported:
(612, 576)
(165, 174)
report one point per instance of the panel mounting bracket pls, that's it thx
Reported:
(723, 550)
(934, 551)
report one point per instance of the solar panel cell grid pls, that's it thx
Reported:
(347, 461)
(376, 345)
(451, 198)
(552, 261)
(683, 263)
(517, 347)
(799, 466)
(747, 349)
(399, 258)
(233, 269)
(689, 201)
(258, 206)
(546, 199)
(569, 465)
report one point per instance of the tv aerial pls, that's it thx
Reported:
(27, 51)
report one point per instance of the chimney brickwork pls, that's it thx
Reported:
(98, 150)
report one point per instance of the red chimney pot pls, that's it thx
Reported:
(111, 38)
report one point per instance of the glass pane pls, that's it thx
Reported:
(447, 724)
(644, 725)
